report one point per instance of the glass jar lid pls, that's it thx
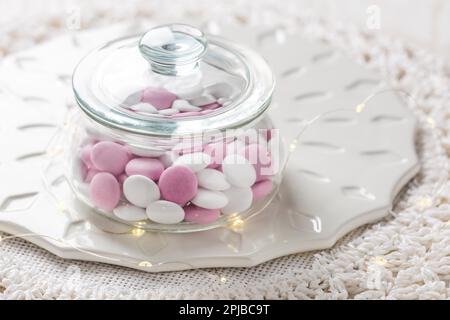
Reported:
(173, 80)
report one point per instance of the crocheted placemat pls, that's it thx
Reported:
(403, 256)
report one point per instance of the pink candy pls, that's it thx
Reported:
(151, 168)
(262, 189)
(200, 215)
(109, 157)
(178, 184)
(105, 165)
(160, 98)
(211, 106)
(90, 174)
(104, 191)
(260, 158)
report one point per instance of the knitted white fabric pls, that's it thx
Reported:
(406, 256)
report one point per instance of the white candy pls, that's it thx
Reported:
(184, 92)
(133, 99)
(140, 190)
(144, 108)
(212, 179)
(223, 101)
(129, 212)
(183, 105)
(220, 90)
(210, 199)
(239, 200)
(167, 159)
(203, 100)
(165, 212)
(238, 171)
(195, 161)
(234, 146)
(168, 112)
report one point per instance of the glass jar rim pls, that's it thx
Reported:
(242, 112)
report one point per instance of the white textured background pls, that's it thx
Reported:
(423, 22)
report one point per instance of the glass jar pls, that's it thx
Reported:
(173, 135)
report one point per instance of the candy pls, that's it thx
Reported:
(132, 99)
(234, 147)
(151, 168)
(144, 108)
(140, 190)
(196, 161)
(211, 106)
(110, 157)
(238, 171)
(210, 199)
(260, 158)
(217, 152)
(81, 171)
(121, 178)
(184, 92)
(202, 100)
(90, 174)
(165, 212)
(262, 189)
(104, 191)
(129, 212)
(239, 200)
(199, 215)
(168, 112)
(178, 184)
(183, 105)
(212, 180)
(224, 101)
(167, 159)
(160, 98)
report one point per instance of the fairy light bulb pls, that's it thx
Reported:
(137, 232)
(237, 224)
(145, 264)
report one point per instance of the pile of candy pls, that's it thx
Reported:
(195, 185)
(191, 101)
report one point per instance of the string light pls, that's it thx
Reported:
(237, 224)
(137, 232)
(360, 107)
(381, 261)
(424, 203)
(293, 145)
(62, 207)
(431, 122)
(145, 264)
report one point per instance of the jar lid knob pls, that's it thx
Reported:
(173, 49)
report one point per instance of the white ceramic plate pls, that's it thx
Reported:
(344, 171)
